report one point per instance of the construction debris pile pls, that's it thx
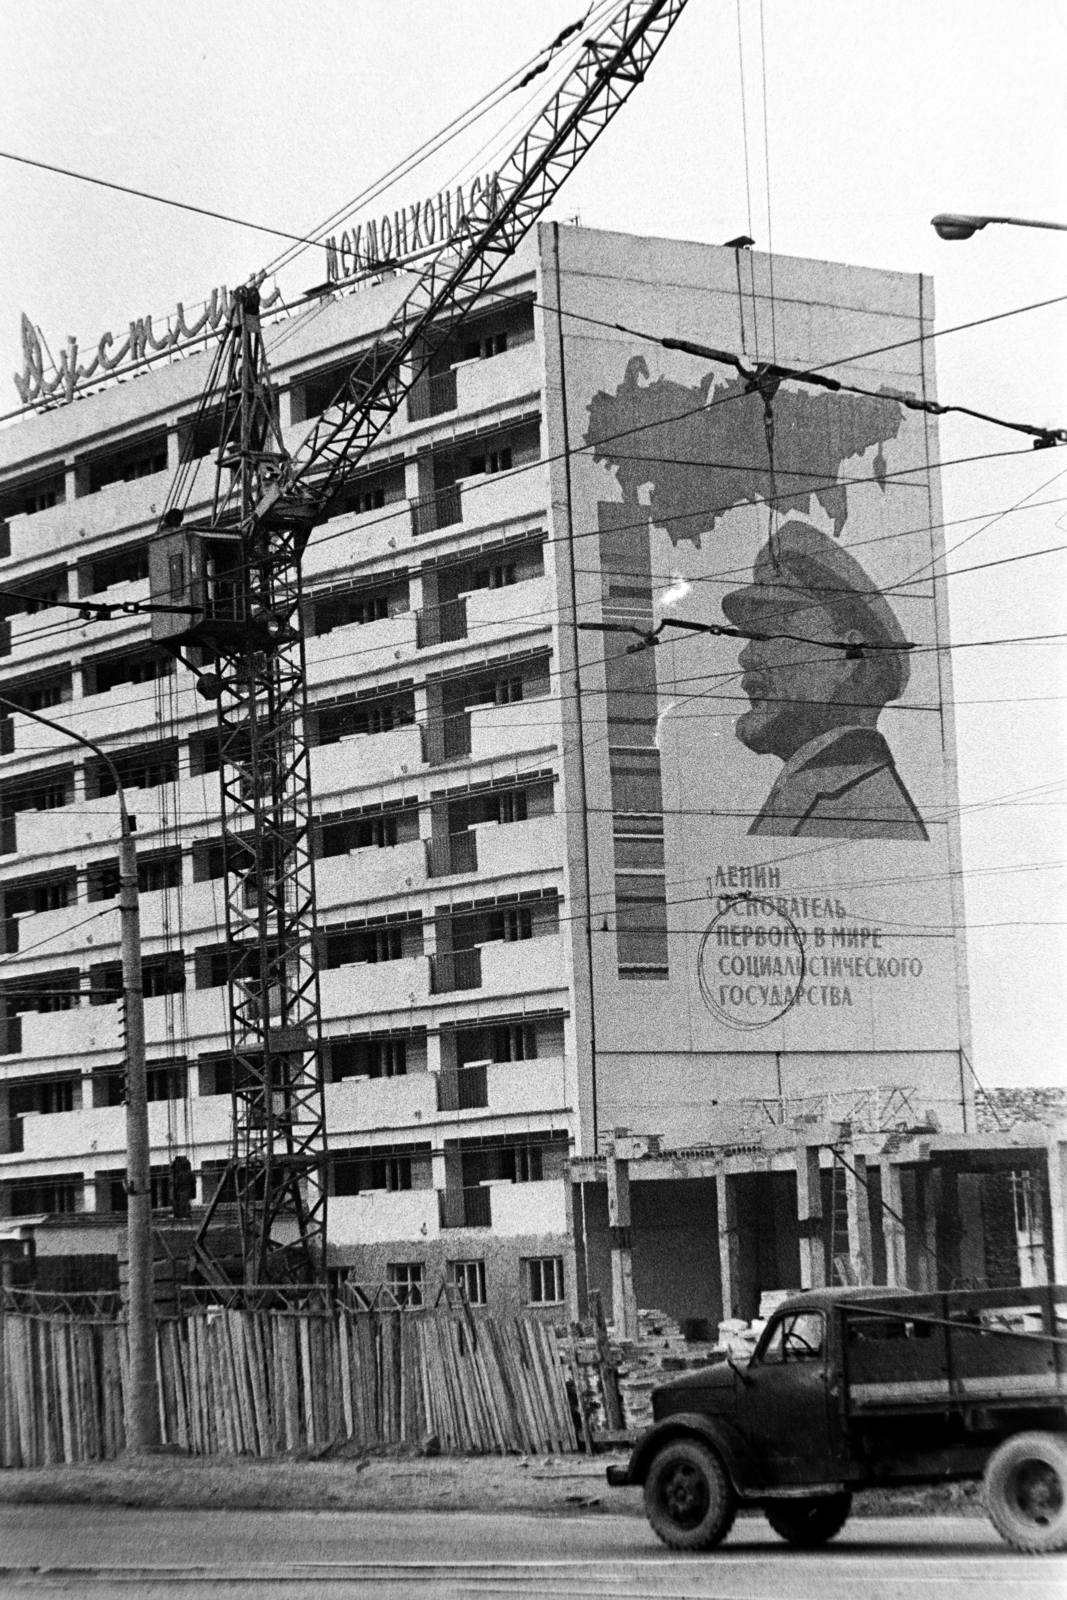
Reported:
(615, 1378)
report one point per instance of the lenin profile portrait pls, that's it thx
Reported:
(815, 697)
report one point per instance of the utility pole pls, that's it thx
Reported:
(142, 1415)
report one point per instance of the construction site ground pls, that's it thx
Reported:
(394, 1481)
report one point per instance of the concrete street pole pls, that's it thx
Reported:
(142, 1413)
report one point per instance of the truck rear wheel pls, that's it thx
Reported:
(809, 1522)
(1026, 1491)
(689, 1500)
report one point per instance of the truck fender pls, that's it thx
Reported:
(737, 1455)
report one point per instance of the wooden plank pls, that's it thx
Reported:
(344, 1356)
(255, 1355)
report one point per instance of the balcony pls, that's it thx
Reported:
(371, 988)
(500, 380)
(500, 613)
(507, 848)
(60, 1035)
(358, 1104)
(432, 397)
(452, 854)
(374, 645)
(451, 970)
(441, 624)
(369, 874)
(447, 739)
(99, 1130)
(529, 725)
(500, 498)
(439, 509)
(382, 1216)
(364, 760)
(470, 1207)
(529, 966)
(113, 509)
(55, 931)
(466, 1089)
(526, 1086)
(529, 1208)
(355, 537)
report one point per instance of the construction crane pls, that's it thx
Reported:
(238, 571)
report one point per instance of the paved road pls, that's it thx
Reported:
(98, 1552)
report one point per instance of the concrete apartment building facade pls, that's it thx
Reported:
(557, 894)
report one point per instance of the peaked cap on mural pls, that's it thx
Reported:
(804, 566)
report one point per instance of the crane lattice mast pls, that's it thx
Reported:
(241, 565)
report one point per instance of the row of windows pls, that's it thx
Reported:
(542, 1279)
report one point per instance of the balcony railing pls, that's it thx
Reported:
(430, 397)
(470, 1207)
(11, 1035)
(465, 1089)
(441, 624)
(455, 969)
(451, 854)
(447, 739)
(437, 510)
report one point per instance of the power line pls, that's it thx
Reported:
(159, 199)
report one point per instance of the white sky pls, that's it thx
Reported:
(877, 116)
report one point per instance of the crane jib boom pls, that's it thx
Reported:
(239, 570)
(608, 70)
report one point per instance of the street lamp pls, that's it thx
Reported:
(959, 225)
(142, 1426)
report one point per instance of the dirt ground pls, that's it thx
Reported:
(557, 1485)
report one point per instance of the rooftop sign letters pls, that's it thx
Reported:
(141, 345)
(366, 247)
(411, 231)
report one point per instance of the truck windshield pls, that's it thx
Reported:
(797, 1337)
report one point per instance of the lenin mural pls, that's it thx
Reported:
(826, 655)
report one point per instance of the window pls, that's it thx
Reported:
(59, 1193)
(521, 1163)
(373, 715)
(794, 1338)
(510, 924)
(406, 1282)
(159, 872)
(166, 1081)
(492, 461)
(499, 575)
(469, 1279)
(142, 458)
(50, 894)
(126, 565)
(46, 991)
(141, 768)
(544, 1280)
(353, 1173)
(135, 666)
(40, 494)
(46, 1096)
(43, 792)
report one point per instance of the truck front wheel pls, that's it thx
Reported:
(1026, 1491)
(689, 1500)
(809, 1522)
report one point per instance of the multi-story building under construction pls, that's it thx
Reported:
(568, 881)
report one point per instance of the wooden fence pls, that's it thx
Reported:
(266, 1382)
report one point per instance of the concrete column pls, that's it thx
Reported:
(623, 1300)
(809, 1217)
(726, 1198)
(1057, 1194)
(929, 1182)
(896, 1260)
(859, 1216)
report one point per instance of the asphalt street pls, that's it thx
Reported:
(96, 1551)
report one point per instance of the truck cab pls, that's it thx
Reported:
(849, 1388)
